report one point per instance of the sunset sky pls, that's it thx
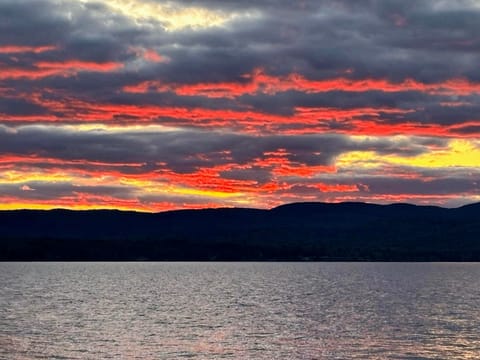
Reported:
(155, 105)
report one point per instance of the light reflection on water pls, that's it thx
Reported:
(239, 310)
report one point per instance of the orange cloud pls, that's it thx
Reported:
(45, 69)
(206, 183)
(31, 74)
(356, 121)
(260, 82)
(343, 188)
(78, 65)
(304, 120)
(14, 49)
(152, 56)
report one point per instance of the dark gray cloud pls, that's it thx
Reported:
(18, 106)
(255, 173)
(432, 41)
(441, 186)
(31, 23)
(185, 151)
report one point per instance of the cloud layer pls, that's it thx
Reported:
(149, 105)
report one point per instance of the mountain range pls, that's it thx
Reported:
(292, 232)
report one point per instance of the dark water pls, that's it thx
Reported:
(239, 310)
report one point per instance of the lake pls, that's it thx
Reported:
(239, 310)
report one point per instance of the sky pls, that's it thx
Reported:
(153, 105)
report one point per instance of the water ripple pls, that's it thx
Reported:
(239, 310)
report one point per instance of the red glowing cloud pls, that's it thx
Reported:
(14, 49)
(260, 82)
(105, 108)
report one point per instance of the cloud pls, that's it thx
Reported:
(45, 190)
(102, 55)
(185, 150)
(273, 100)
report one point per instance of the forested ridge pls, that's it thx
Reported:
(299, 231)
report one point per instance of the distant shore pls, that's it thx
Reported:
(293, 232)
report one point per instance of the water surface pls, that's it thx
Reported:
(239, 310)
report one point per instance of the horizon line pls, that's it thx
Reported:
(140, 211)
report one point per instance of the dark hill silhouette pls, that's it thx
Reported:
(299, 231)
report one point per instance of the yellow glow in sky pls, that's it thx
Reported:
(459, 153)
(360, 159)
(21, 177)
(172, 16)
(153, 187)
